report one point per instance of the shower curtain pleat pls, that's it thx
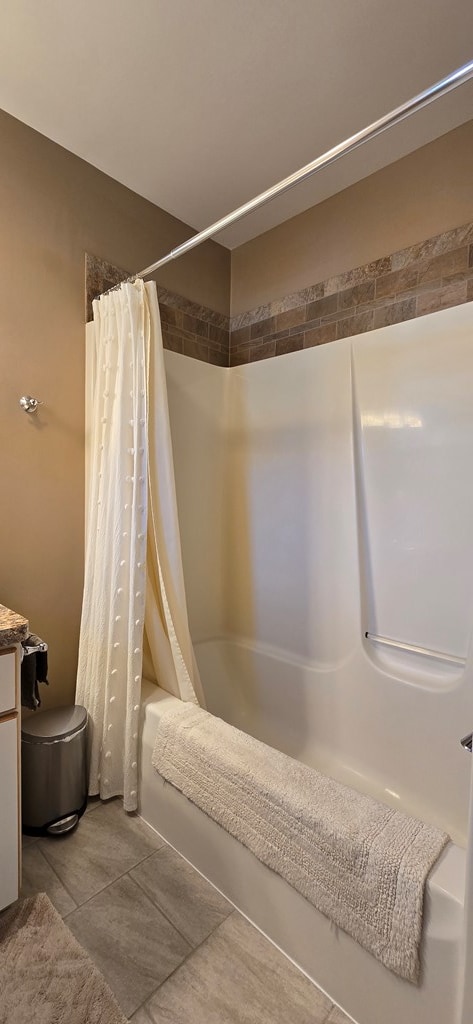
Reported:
(167, 627)
(131, 508)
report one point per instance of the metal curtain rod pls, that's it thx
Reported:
(441, 88)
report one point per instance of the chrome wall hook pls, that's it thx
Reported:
(29, 404)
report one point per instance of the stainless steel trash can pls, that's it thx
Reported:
(54, 770)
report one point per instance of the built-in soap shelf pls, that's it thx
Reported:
(385, 641)
(413, 664)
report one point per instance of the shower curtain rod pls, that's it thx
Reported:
(423, 99)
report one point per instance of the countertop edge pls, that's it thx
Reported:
(13, 627)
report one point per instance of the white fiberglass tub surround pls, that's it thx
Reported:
(322, 496)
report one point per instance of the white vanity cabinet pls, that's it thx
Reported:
(10, 834)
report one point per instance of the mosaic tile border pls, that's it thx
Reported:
(188, 328)
(423, 278)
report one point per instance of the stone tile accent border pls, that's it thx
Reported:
(194, 330)
(188, 328)
(423, 278)
(99, 277)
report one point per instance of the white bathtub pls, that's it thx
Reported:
(353, 979)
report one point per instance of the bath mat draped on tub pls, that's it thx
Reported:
(361, 863)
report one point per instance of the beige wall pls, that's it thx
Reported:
(54, 207)
(423, 194)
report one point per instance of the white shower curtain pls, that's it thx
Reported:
(133, 565)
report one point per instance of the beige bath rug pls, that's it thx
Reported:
(45, 976)
(361, 863)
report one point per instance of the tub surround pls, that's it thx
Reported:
(296, 600)
(370, 437)
(189, 328)
(423, 278)
(13, 627)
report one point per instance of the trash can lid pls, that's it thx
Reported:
(56, 724)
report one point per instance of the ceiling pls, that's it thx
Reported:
(198, 105)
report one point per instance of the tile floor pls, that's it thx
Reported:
(173, 950)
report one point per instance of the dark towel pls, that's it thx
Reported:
(34, 670)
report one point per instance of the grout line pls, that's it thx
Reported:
(142, 1006)
(143, 1009)
(109, 884)
(32, 840)
(53, 869)
(161, 911)
(79, 906)
(178, 967)
(94, 806)
(169, 919)
(48, 862)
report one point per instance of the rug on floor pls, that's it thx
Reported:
(45, 975)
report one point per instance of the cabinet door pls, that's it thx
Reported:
(9, 832)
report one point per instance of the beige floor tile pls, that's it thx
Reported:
(106, 844)
(237, 977)
(38, 876)
(131, 942)
(28, 841)
(190, 903)
(93, 803)
(140, 1017)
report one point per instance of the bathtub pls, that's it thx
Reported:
(233, 674)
